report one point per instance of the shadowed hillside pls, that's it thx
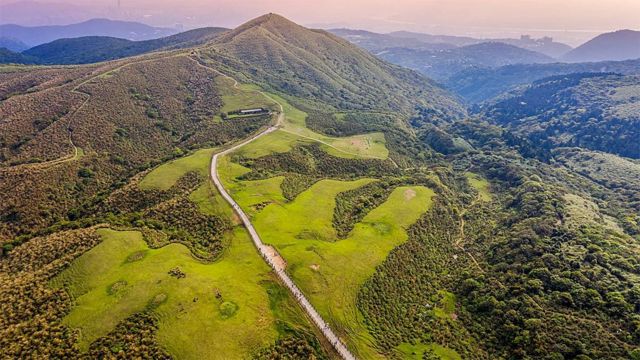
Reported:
(593, 111)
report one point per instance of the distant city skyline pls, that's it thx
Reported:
(570, 21)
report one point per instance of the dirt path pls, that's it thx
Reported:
(269, 253)
(271, 256)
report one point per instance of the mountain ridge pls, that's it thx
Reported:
(92, 49)
(613, 46)
(37, 35)
(325, 66)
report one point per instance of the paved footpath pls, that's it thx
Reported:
(271, 256)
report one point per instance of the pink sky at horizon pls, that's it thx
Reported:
(572, 21)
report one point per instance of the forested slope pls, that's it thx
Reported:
(593, 111)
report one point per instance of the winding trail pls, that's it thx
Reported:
(270, 255)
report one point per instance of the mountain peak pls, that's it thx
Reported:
(270, 20)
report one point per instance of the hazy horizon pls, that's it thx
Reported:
(570, 21)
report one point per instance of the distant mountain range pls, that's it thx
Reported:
(91, 49)
(544, 45)
(376, 42)
(619, 45)
(37, 35)
(412, 40)
(478, 70)
(480, 84)
(441, 64)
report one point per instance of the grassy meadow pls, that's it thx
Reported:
(330, 272)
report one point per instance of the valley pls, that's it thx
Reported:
(276, 192)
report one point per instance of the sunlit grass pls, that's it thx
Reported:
(190, 317)
(329, 271)
(166, 175)
(481, 185)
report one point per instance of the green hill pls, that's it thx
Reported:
(319, 66)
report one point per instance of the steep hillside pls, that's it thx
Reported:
(480, 84)
(593, 111)
(441, 64)
(91, 49)
(619, 45)
(36, 35)
(319, 66)
(120, 118)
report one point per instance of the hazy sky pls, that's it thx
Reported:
(568, 20)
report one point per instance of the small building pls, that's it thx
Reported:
(252, 111)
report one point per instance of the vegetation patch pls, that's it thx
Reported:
(136, 256)
(227, 309)
(427, 352)
(116, 287)
(133, 337)
(157, 301)
(480, 184)
(166, 175)
(446, 305)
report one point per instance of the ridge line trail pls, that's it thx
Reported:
(268, 253)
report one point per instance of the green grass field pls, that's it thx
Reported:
(481, 185)
(194, 323)
(411, 352)
(330, 272)
(166, 175)
(294, 130)
(191, 316)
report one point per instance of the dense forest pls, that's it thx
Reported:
(592, 111)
